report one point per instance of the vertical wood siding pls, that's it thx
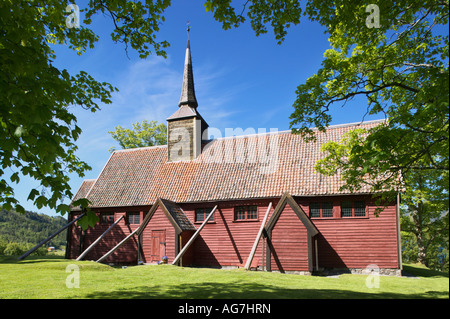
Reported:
(159, 221)
(290, 243)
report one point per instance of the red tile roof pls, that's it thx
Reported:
(227, 169)
(84, 189)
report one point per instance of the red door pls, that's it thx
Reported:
(158, 245)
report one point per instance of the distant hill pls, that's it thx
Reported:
(31, 228)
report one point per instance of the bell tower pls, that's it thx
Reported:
(186, 126)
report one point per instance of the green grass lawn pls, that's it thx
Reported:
(45, 277)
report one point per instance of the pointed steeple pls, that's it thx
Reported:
(187, 89)
(186, 129)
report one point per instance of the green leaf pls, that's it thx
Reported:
(208, 6)
(89, 220)
(63, 209)
(33, 194)
(15, 178)
(40, 201)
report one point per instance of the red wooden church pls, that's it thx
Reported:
(267, 206)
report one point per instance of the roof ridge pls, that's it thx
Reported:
(354, 124)
(139, 148)
(314, 128)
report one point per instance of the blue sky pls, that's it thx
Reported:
(241, 80)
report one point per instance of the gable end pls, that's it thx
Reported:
(173, 213)
(287, 199)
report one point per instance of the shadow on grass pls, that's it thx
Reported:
(420, 271)
(31, 259)
(213, 290)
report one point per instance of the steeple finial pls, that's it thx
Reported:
(187, 89)
(188, 23)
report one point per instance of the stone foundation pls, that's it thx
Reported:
(359, 271)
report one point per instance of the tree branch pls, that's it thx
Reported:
(353, 94)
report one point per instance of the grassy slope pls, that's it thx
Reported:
(46, 278)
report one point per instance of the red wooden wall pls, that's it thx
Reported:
(356, 242)
(289, 243)
(343, 242)
(158, 222)
(352, 242)
(226, 242)
(125, 254)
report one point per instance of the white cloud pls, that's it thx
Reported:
(150, 89)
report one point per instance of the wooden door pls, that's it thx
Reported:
(158, 245)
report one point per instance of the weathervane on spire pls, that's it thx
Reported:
(188, 23)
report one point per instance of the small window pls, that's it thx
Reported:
(199, 215)
(252, 212)
(107, 218)
(327, 209)
(246, 213)
(318, 210)
(134, 217)
(202, 213)
(314, 209)
(239, 213)
(360, 209)
(353, 209)
(346, 209)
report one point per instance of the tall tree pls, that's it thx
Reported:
(393, 53)
(37, 130)
(425, 197)
(425, 215)
(143, 134)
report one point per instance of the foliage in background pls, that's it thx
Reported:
(142, 135)
(401, 68)
(397, 61)
(11, 248)
(19, 232)
(425, 219)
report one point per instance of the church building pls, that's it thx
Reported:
(252, 201)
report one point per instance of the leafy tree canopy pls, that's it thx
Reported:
(142, 135)
(37, 130)
(395, 54)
